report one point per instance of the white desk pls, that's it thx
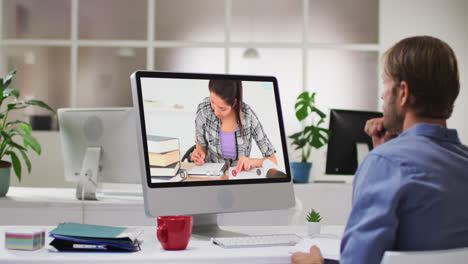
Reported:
(151, 251)
(49, 206)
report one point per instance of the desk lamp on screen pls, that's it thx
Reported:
(348, 143)
(170, 106)
(98, 146)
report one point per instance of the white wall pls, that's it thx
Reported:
(446, 20)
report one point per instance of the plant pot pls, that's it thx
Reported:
(5, 168)
(313, 228)
(301, 171)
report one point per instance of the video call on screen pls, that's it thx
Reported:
(170, 107)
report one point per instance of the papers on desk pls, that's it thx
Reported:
(208, 170)
(329, 246)
(82, 237)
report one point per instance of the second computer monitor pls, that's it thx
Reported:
(99, 146)
(346, 137)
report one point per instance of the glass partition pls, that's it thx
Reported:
(103, 75)
(194, 20)
(32, 19)
(112, 19)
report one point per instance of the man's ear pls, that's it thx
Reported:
(403, 94)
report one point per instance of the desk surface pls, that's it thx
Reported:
(198, 251)
(49, 206)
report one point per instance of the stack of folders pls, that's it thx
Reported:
(164, 158)
(82, 237)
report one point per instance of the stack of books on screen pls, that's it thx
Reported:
(164, 158)
(82, 237)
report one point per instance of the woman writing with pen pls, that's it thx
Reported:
(225, 127)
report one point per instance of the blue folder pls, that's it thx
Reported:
(83, 237)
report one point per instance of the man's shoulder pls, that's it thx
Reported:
(398, 151)
(383, 167)
(400, 146)
(418, 152)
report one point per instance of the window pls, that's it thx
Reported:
(80, 53)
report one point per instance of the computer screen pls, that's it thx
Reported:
(98, 146)
(348, 140)
(177, 111)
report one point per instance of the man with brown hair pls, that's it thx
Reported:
(410, 192)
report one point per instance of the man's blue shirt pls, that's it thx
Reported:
(410, 193)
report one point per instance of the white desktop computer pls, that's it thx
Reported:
(99, 146)
(166, 108)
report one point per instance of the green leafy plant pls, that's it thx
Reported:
(313, 216)
(13, 130)
(312, 136)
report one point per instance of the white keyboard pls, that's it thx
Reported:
(257, 241)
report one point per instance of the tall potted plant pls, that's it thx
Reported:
(15, 135)
(311, 137)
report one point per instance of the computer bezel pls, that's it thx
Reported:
(136, 80)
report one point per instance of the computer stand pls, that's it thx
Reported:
(205, 226)
(86, 189)
(362, 149)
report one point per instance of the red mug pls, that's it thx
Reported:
(174, 231)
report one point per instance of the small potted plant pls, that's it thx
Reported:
(313, 222)
(312, 136)
(15, 135)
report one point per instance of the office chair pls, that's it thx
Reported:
(452, 256)
(187, 154)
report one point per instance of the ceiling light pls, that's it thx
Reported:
(126, 52)
(251, 53)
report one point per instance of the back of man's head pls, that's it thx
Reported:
(429, 66)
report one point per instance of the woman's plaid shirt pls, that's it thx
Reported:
(207, 127)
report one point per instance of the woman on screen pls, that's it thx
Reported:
(225, 127)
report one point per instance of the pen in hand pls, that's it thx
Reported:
(198, 156)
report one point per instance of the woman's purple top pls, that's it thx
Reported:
(228, 144)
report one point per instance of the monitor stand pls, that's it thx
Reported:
(205, 226)
(362, 150)
(86, 189)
